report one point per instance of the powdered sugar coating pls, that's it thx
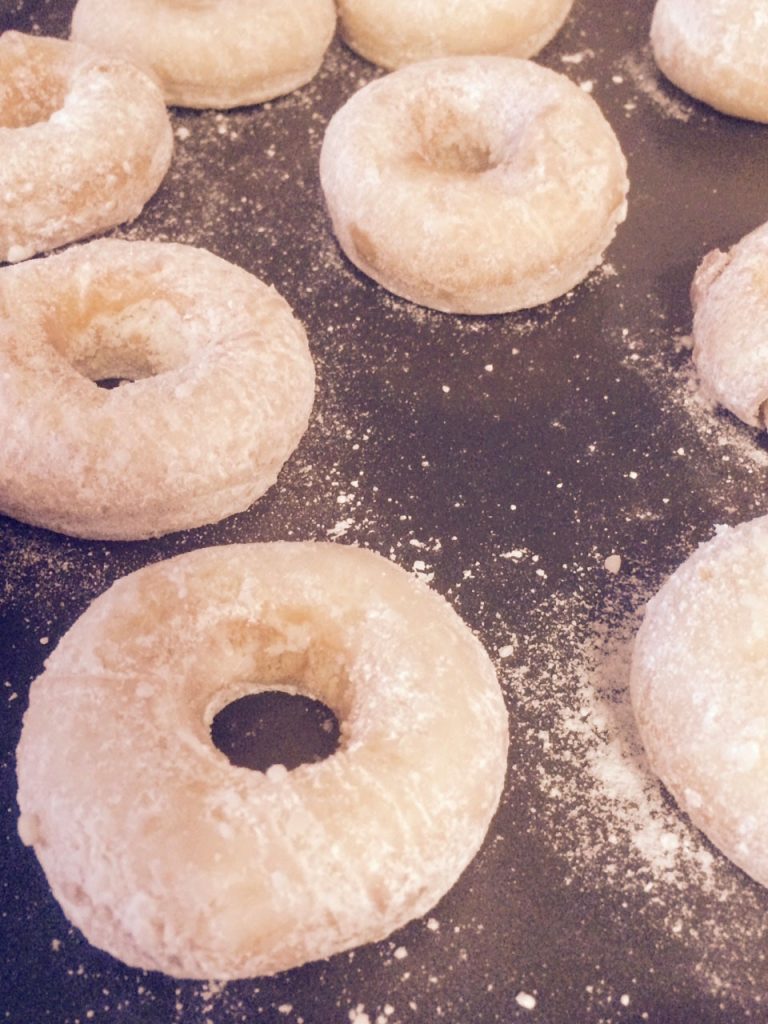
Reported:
(84, 142)
(698, 690)
(473, 184)
(167, 855)
(396, 32)
(219, 388)
(730, 327)
(213, 53)
(717, 51)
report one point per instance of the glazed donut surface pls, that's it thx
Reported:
(154, 843)
(84, 142)
(716, 51)
(217, 389)
(699, 694)
(396, 32)
(730, 327)
(213, 53)
(473, 184)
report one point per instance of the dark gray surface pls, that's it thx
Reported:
(506, 456)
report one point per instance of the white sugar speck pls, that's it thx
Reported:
(613, 563)
(526, 1000)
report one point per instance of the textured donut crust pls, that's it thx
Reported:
(699, 694)
(730, 327)
(213, 53)
(222, 385)
(717, 51)
(85, 141)
(473, 184)
(392, 33)
(170, 857)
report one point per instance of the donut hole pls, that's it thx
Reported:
(113, 340)
(26, 101)
(21, 109)
(450, 140)
(31, 90)
(458, 155)
(274, 727)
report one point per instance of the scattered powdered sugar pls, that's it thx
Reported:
(594, 726)
(359, 1016)
(576, 58)
(728, 439)
(610, 823)
(607, 815)
(613, 563)
(642, 72)
(526, 1000)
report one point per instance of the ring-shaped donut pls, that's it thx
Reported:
(473, 184)
(716, 51)
(213, 53)
(217, 389)
(730, 327)
(170, 857)
(85, 141)
(699, 694)
(391, 33)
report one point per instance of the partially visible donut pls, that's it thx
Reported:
(170, 857)
(473, 184)
(221, 384)
(730, 327)
(717, 51)
(396, 32)
(85, 141)
(699, 691)
(213, 53)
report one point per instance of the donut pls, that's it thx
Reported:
(170, 857)
(396, 32)
(730, 327)
(213, 53)
(473, 184)
(85, 141)
(716, 51)
(699, 695)
(217, 387)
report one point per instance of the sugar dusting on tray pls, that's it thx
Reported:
(612, 826)
(608, 816)
(647, 79)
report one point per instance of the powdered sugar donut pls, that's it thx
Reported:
(717, 51)
(473, 184)
(213, 53)
(396, 32)
(730, 327)
(221, 387)
(154, 843)
(699, 694)
(84, 142)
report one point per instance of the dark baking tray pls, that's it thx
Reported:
(505, 458)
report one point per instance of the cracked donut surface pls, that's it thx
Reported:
(699, 694)
(85, 141)
(473, 184)
(716, 51)
(170, 857)
(396, 32)
(213, 53)
(730, 327)
(217, 385)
